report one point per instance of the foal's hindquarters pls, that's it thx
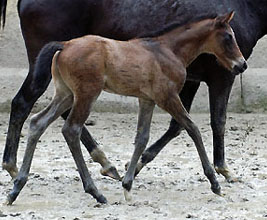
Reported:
(63, 99)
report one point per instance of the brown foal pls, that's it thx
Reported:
(152, 68)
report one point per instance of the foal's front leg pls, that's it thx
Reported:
(173, 105)
(187, 95)
(146, 108)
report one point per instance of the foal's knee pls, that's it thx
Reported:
(70, 132)
(36, 125)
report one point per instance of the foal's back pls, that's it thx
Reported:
(128, 68)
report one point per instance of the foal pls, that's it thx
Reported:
(152, 68)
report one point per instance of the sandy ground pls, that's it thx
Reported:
(173, 186)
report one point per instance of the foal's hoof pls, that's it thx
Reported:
(10, 199)
(217, 190)
(110, 171)
(102, 199)
(11, 169)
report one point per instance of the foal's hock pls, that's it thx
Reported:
(152, 68)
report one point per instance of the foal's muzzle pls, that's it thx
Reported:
(240, 68)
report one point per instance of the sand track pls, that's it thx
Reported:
(171, 187)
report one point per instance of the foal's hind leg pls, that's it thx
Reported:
(146, 108)
(173, 105)
(108, 169)
(33, 87)
(71, 131)
(38, 125)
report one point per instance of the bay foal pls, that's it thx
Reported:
(152, 68)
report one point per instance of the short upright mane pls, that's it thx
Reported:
(174, 25)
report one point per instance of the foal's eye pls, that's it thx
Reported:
(228, 38)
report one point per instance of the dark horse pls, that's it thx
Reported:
(43, 21)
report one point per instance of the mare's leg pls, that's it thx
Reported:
(187, 95)
(219, 94)
(21, 106)
(173, 105)
(36, 35)
(146, 108)
(72, 131)
(38, 124)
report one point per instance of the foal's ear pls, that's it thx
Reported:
(229, 17)
(222, 20)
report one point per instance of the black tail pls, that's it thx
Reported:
(43, 62)
(3, 4)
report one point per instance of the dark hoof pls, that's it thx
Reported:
(10, 199)
(111, 172)
(127, 185)
(102, 199)
(216, 189)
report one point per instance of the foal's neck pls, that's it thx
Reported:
(189, 41)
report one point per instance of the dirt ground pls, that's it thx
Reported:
(173, 186)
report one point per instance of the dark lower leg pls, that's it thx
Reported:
(208, 169)
(39, 123)
(23, 174)
(20, 109)
(72, 130)
(176, 109)
(219, 95)
(187, 95)
(108, 169)
(141, 139)
(72, 137)
(151, 152)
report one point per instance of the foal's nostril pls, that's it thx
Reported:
(240, 68)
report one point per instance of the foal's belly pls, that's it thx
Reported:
(126, 84)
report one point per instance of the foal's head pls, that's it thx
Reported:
(222, 43)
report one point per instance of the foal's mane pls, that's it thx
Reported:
(169, 27)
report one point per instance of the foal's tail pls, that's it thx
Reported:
(43, 62)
